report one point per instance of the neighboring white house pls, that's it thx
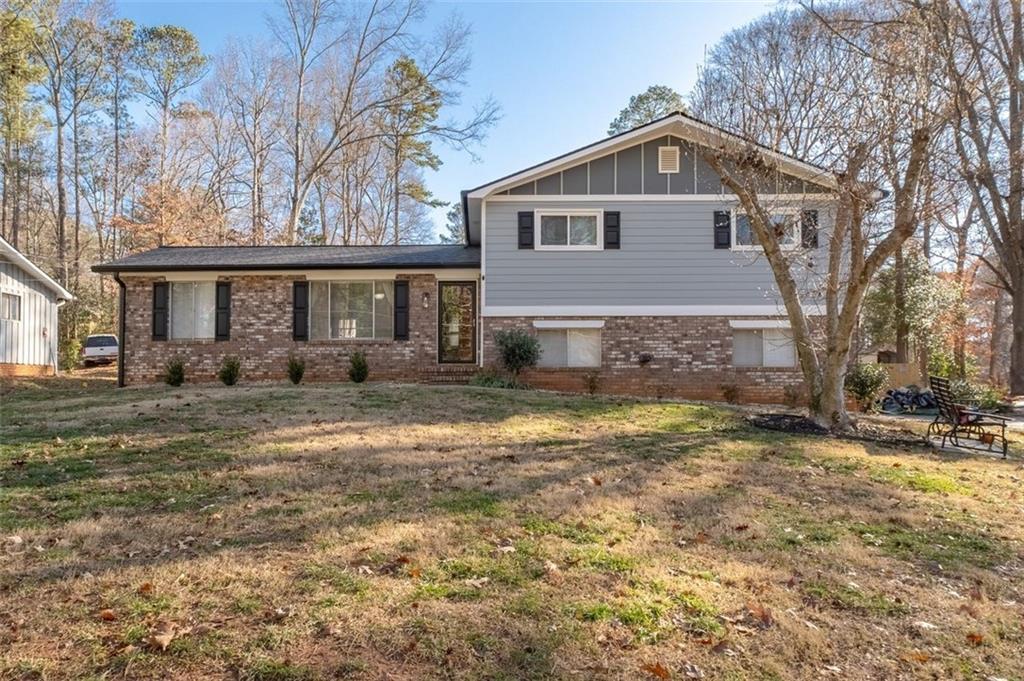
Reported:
(29, 299)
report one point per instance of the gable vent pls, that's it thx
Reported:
(668, 159)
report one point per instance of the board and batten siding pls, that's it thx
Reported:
(667, 257)
(24, 342)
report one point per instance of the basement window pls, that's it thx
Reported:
(573, 347)
(763, 348)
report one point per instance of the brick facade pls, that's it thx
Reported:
(690, 358)
(261, 337)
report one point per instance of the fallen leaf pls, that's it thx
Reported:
(692, 671)
(741, 528)
(107, 615)
(478, 582)
(162, 635)
(552, 572)
(146, 588)
(657, 670)
(760, 613)
(975, 639)
(415, 572)
(916, 656)
(596, 481)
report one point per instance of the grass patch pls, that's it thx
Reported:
(337, 578)
(470, 502)
(276, 670)
(578, 533)
(603, 560)
(849, 597)
(933, 483)
(948, 548)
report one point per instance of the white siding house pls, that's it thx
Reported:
(29, 299)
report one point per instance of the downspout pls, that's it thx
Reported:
(122, 295)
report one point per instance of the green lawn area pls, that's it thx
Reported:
(410, 532)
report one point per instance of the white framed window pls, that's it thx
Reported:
(767, 347)
(193, 310)
(668, 160)
(352, 310)
(10, 307)
(786, 223)
(573, 347)
(568, 230)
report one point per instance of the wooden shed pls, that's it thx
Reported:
(29, 299)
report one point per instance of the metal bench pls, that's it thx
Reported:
(955, 422)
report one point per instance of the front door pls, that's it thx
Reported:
(456, 324)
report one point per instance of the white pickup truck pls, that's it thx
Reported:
(99, 349)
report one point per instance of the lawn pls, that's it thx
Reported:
(409, 532)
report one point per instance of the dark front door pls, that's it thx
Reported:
(456, 323)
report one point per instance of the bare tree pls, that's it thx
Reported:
(824, 86)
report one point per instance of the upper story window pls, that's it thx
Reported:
(786, 224)
(353, 310)
(568, 230)
(10, 307)
(193, 310)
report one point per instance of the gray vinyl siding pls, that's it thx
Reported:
(23, 342)
(667, 257)
(634, 170)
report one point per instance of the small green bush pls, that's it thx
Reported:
(490, 379)
(358, 370)
(70, 353)
(864, 381)
(976, 395)
(296, 369)
(174, 373)
(230, 368)
(518, 350)
(731, 393)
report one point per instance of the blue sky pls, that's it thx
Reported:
(561, 71)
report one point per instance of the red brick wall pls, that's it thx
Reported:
(261, 337)
(692, 359)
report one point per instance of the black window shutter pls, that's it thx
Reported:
(160, 294)
(809, 229)
(300, 311)
(401, 310)
(223, 325)
(723, 229)
(612, 229)
(526, 230)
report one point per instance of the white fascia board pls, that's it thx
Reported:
(24, 263)
(442, 274)
(642, 310)
(568, 323)
(759, 324)
(678, 126)
(729, 199)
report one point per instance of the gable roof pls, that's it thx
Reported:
(42, 277)
(677, 123)
(207, 258)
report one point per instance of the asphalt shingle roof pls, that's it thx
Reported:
(198, 258)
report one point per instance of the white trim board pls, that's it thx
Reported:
(19, 260)
(677, 125)
(759, 324)
(446, 274)
(640, 310)
(568, 323)
(730, 199)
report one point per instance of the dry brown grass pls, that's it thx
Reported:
(399, 532)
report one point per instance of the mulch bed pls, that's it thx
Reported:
(863, 432)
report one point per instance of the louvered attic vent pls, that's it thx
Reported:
(668, 159)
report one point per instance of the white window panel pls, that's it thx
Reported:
(193, 310)
(582, 230)
(786, 222)
(206, 309)
(747, 348)
(553, 348)
(584, 347)
(10, 307)
(568, 230)
(778, 348)
(352, 310)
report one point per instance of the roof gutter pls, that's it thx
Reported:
(121, 339)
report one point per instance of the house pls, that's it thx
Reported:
(29, 299)
(626, 258)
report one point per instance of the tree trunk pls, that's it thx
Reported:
(1017, 342)
(76, 150)
(19, 175)
(900, 309)
(62, 204)
(995, 345)
(397, 187)
(7, 186)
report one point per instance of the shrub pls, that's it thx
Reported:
(490, 379)
(174, 373)
(731, 393)
(977, 395)
(70, 353)
(864, 381)
(296, 369)
(230, 368)
(792, 397)
(358, 369)
(591, 381)
(518, 350)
